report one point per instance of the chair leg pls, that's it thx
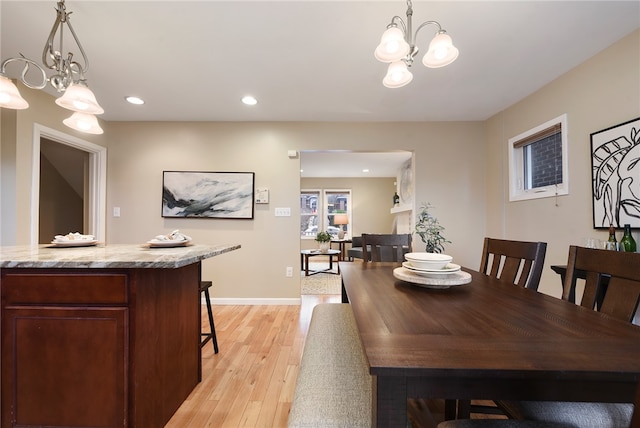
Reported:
(211, 324)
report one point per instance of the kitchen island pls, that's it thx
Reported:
(100, 336)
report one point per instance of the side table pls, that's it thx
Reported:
(304, 261)
(342, 247)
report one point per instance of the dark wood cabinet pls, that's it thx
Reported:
(98, 347)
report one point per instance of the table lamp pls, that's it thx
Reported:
(340, 219)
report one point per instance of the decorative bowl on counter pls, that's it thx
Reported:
(431, 261)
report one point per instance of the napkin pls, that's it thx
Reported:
(75, 236)
(173, 236)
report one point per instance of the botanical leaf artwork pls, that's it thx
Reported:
(616, 175)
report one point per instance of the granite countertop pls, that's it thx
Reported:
(108, 256)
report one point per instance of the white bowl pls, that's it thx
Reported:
(432, 261)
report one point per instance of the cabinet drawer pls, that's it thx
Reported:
(63, 288)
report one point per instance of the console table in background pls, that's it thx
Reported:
(99, 336)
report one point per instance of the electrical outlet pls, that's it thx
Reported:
(289, 272)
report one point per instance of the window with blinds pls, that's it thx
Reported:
(538, 161)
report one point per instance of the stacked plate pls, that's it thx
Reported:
(431, 270)
(430, 264)
(74, 239)
(173, 239)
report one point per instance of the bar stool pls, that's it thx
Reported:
(204, 287)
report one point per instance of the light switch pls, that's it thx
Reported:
(116, 211)
(283, 212)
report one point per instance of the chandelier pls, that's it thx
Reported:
(68, 78)
(397, 47)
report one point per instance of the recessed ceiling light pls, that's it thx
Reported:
(134, 100)
(365, 170)
(249, 100)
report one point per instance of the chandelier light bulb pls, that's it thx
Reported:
(397, 47)
(83, 122)
(441, 51)
(78, 97)
(10, 96)
(398, 75)
(393, 46)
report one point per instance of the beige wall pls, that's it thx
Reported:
(601, 92)
(139, 152)
(17, 158)
(460, 167)
(370, 207)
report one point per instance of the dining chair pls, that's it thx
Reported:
(620, 301)
(519, 262)
(385, 248)
(632, 421)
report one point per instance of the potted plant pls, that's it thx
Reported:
(430, 230)
(324, 240)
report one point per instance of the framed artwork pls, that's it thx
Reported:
(615, 174)
(208, 194)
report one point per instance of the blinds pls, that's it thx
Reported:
(547, 132)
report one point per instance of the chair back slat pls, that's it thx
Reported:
(385, 247)
(518, 262)
(622, 303)
(622, 294)
(592, 289)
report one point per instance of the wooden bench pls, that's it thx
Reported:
(334, 386)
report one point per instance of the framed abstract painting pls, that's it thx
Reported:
(615, 175)
(226, 195)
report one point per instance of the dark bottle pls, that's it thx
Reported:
(612, 234)
(396, 199)
(627, 242)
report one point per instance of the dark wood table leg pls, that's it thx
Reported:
(306, 265)
(345, 298)
(450, 409)
(464, 409)
(389, 401)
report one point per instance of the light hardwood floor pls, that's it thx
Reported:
(250, 382)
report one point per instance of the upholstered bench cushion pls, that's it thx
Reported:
(334, 386)
(499, 423)
(575, 414)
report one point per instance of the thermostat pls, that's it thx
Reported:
(262, 195)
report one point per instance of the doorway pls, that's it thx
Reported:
(63, 190)
(77, 199)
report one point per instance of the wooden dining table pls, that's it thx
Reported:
(483, 340)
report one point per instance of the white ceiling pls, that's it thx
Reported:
(351, 164)
(313, 60)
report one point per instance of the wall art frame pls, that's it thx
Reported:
(200, 194)
(615, 175)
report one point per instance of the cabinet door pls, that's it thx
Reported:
(64, 366)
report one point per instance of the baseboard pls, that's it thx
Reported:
(253, 301)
